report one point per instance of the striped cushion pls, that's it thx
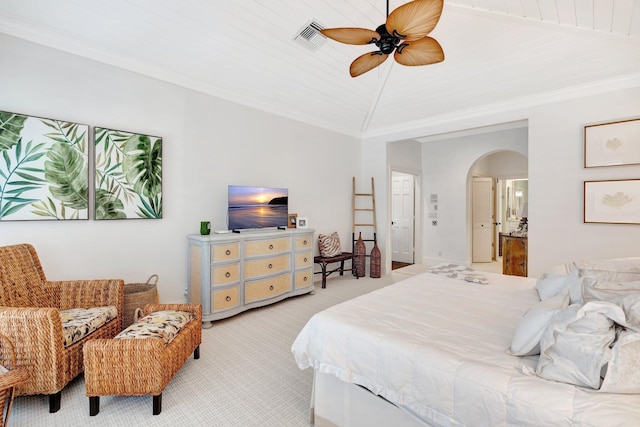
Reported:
(329, 245)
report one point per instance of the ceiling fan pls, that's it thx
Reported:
(405, 32)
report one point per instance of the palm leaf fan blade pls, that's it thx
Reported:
(414, 20)
(419, 52)
(357, 36)
(367, 62)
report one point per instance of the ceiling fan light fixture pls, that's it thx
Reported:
(405, 31)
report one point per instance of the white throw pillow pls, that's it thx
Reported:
(550, 285)
(533, 323)
(602, 290)
(574, 349)
(623, 373)
(610, 270)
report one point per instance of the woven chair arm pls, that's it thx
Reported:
(195, 309)
(13, 378)
(34, 333)
(90, 293)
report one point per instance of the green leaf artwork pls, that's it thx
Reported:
(44, 169)
(128, 175)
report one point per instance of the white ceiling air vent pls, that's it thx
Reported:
(310, 36)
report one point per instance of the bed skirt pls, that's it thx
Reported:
(340, 404)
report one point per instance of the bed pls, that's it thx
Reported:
(434, 350)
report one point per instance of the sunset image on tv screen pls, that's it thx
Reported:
(257, 207)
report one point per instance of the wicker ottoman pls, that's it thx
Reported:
(137, 367)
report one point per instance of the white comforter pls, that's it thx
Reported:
(437, 347)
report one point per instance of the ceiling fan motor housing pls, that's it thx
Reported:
(387, 43)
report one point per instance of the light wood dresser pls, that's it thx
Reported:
(234, 272)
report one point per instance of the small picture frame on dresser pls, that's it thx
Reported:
(302, 222)
(293, 220)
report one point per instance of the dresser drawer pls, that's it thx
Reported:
(304, 259)
(225, 252)
(224, 299)
(304, 242)
(266, 247)
(263, 266)
(304, 278)
(266, 288)
(224, 274)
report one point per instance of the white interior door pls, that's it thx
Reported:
(402, 217)
(482, 201)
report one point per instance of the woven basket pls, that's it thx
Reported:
(137, 295)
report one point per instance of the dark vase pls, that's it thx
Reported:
(375, 261)
(359, 253)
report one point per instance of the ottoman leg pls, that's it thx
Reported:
(196, 353)
(94, 405)
(157, 404)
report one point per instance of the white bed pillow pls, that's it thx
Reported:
(527, 335)
(593, 289)
(574, 349)
(549, 285)
(610, 270)
(623, 372)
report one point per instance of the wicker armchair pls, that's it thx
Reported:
(13, 376)
(30, 318)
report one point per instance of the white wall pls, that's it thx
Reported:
(208, 143)
(556, 174)
(446, 167)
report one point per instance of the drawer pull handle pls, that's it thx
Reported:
(270, 266)
(227, 274)
(271, 287)
(228, 252)
(304, 242)
(305, 259)
(305, 279)
(228, 298)
(270, 247)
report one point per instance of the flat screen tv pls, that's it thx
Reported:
(257, 207)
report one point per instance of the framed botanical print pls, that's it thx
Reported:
(44, 168)
(612, 144)
(128, 175)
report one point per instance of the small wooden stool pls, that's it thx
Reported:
(324, 261)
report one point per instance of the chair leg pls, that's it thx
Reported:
(342, 268)
(196, 353)
(157, 404)
(94, 405)
(54, 402)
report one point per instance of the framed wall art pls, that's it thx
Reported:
(612, 202)
(44, 168)
(293, 220)
(612, 144)
(128, 175)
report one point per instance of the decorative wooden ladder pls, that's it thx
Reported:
(369, 222)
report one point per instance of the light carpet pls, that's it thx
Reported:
(246, 375)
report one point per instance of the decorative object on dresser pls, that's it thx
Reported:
(231, 273)
(49, 322)
(514, 255)
(293, 220)
(302, 222)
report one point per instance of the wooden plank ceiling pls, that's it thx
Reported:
(496, 52)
